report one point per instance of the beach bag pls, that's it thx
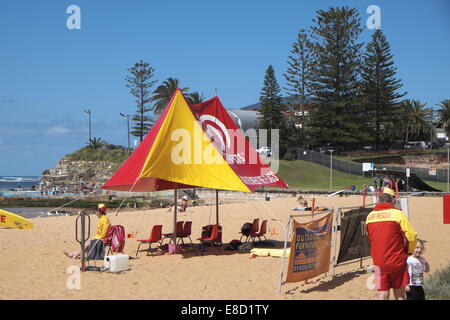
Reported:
(246, 247)
(115, 238)
(207, 231)
(233, 245)
(246, 228)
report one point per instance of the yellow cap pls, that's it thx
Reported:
(388, 191)
(102, 207)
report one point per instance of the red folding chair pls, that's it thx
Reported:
(261, 232)
(253, 230)
(155, 237)
(178, 228)
(213, 238)
(186, 232)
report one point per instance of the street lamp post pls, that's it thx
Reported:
(331, 169)
(128, 129)
(88, 111)
(448, 167)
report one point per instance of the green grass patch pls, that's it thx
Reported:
(437, 285)
(306, 175)
(115, 155)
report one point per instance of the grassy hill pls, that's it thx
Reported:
(299, 174)
(112, 154)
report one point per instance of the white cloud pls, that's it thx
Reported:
(56, 131)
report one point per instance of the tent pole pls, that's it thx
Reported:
(175, 209)
(217, 206)
(284, 253)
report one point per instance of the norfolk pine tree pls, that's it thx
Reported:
(271, 108)
(139, 82)
(297, 78)
(380, 90)
(335, 115)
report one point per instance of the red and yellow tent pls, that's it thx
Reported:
(193, 146)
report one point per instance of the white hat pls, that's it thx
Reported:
(185, 198)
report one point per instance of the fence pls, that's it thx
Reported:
(325, 160)
(438, 175)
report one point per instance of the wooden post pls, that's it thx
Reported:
(364, 197)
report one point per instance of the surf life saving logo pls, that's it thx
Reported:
(224, 139)
(216, 131)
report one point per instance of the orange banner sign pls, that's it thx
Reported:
(311, 245)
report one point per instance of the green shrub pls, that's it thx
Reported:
(116, 155)
(437, 285)
(289, 156)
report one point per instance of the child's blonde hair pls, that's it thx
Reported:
(422, 242)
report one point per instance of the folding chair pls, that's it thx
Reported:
(155, 237)
(211, 239)
(261, 232)
(253, 230)
(186, 232)
(178, 228)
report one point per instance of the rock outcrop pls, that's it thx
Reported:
(69, 172)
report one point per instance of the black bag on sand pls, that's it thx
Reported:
(245, 247)
(233, 245)
(246, 228)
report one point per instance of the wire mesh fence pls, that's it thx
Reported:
(428, 174)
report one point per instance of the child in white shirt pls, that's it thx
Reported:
(417, 265)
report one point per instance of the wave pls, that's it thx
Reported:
(18, 179)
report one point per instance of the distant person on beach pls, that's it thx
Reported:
(183, 205)
(417, 265)
(303, 204)
(391, 238)
(102, 230)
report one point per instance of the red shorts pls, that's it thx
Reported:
(395, 280)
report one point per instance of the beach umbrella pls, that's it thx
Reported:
(197, 146)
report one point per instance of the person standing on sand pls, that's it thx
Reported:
(417, 265)
(102, 230)
(391, 238)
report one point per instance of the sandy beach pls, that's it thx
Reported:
(34, 267)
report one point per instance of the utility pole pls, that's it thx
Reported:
(128, 129)
(331, 169)
(448, 167)
(88, 111)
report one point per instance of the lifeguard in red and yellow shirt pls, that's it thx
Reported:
(391, 238)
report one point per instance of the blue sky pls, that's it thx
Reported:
(49, 74)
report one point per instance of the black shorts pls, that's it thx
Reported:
(415, 293)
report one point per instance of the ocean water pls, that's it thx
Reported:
(16, 182)
(31, 213)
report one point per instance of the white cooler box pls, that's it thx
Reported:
(116, 263)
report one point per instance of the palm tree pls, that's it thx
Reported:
(195, 98)
(416, 117)
(444, 114)
(164, 92)
(96, 143)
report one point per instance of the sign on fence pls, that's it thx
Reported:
(354, 244)
(366, 166)
(310, 249)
